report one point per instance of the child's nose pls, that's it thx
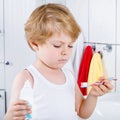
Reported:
(63, 52)
(66, 50)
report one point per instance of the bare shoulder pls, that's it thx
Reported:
(24, 74)
(21, 78)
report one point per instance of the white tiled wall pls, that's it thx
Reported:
(80, 12)
(1, 15)
(118, 21)
(118, 70)
(1, 46)
(102, 21)
(118, 48)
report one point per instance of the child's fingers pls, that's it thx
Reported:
(19, 118)
(21, 107)
(21, 113)
(20, 102)
(103, 88)
(108, 84)
(102, 78)
(98, 91)
(100, 88)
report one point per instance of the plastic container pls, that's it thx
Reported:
(27, 94)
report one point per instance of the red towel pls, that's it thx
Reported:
(84, 68)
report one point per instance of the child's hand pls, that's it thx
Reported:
(101, 89)
(18, 110)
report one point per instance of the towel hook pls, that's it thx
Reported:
(93, 47)
(108, 47)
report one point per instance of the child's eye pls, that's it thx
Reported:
(70, 46)
(57, 46)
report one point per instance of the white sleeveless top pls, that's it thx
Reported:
(52, 101)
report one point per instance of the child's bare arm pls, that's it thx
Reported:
(87, 106)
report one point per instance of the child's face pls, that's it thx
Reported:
(56, 51)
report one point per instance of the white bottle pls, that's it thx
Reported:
(27, 94)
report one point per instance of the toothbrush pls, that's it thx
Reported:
(86, 85)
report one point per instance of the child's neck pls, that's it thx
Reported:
(42, 66)
(54, 75)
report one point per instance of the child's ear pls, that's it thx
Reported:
(34, 46)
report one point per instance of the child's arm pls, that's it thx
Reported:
(18, 108)
(85, 107)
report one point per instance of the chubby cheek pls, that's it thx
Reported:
(52, 53)
(52, 56)
(49, 56)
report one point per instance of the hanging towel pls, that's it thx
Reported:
(84, 68)
(96, 69)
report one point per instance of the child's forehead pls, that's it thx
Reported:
(60, 37)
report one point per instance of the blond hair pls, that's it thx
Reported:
(48, 19)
